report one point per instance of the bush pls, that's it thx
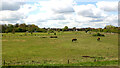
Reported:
(41, 30)
(98, 34)
(54, 33)
(51, 31)
(43, 37)
(53, 36)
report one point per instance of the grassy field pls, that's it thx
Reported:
(18, 49)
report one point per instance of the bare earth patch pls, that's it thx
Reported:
(15, 40)
(19, 40)
(4, 40)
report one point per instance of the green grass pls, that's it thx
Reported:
(99, 63)
(24, 50)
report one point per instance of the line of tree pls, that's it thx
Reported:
(21, 28)
(34, 28)
(108, 28)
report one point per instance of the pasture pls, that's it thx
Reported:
(40, 49)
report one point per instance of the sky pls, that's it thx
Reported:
(60, 13)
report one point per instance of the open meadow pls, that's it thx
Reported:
(40, 49)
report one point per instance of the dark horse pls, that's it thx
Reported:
(74, 40)
(98, 39)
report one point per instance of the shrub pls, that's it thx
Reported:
(43, 37)
(98, 34)
(53, 36)
(42, 30)
(54, 33)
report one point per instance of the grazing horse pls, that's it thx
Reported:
(74, 40)
(98, 39)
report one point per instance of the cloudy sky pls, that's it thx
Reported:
(60, 13)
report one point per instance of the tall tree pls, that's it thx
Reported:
(23, 27)
(74, 28)
(10, 27)
(65, 28)
(109, 27)
(16, 25)
(13, 31)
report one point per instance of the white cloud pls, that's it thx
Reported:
(43, 17)
(10, 15)
(10, 5)
(60, 13)
(18, 15)
(58, 6)
(89, 10)
(108, 6)
(112, 19)
(27, 8)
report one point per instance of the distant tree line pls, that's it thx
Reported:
(108, 28)
(21, 28)
(34, 28)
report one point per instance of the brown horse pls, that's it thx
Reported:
(74, 40)
(98, 39)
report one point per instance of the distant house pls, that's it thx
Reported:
(27, 31)
(35, 31)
